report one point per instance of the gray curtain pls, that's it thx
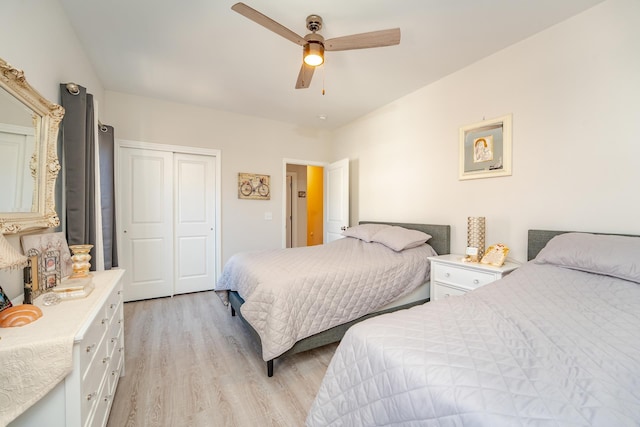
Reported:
(108, 195)
(78, 148)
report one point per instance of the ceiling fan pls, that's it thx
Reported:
(314, 45)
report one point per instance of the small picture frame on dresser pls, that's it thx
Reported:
(51, 268)
(33, 280)
(50, 242)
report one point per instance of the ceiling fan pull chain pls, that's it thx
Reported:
(322, 80)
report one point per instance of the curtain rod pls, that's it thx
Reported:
(74, 89)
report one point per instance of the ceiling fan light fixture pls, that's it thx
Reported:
(313, 44)
(313, 54)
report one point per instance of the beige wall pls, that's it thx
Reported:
(37, 38)
(247, 144)
(574, 91)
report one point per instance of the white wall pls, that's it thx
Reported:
(36, 38)
(247, 144)
(574, 91)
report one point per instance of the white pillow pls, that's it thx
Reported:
(399, 238)
(364, 232)
(617, 256)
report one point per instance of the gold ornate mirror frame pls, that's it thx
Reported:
(44, 163)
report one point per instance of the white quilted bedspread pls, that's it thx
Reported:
(292, 294)
(545, 346)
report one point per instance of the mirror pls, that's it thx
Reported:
(28, 160)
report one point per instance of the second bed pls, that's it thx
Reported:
(302, 298)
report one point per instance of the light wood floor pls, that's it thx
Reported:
(189, 363)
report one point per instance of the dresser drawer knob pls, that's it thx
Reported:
(91, 395)
(447, 274)
(107, 398)
(121, 349)
(476, 281)
(105, 320)
(90, 348)
(106, 359)
(112, 306)
(447, 295)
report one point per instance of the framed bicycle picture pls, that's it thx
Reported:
(253, 186)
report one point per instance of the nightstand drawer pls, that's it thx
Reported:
(461, 277)
(441, 292)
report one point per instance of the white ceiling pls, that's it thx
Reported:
(200, 52)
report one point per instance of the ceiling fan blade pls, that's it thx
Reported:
(304, 77)
(364, 40)
(268, 23)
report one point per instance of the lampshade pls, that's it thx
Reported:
(9, 256)
(313, 54)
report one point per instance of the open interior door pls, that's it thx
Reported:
(336, 178)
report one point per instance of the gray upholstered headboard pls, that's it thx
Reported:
(537, 240)
(440, 234)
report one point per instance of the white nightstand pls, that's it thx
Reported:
(450, 276)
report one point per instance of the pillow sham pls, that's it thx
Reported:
(400, 238)
(616, 256)
(364, 232)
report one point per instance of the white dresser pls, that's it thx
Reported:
(85, 395)
(450, 276)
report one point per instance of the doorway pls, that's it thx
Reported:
(304, 205)
(316, 203)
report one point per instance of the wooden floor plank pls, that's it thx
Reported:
(189, 363)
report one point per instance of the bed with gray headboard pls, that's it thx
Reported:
(554, 343)
(440, 242)
(538, 239)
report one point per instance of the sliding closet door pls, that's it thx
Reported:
(194, 222)
(146, 197)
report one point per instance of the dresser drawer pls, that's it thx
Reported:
(115, 369)
(114, 302)
(114, 336)
(92, 382)
(91, 342)
(107, 392)
(103, 403)
(441, 291)
(462, 277)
